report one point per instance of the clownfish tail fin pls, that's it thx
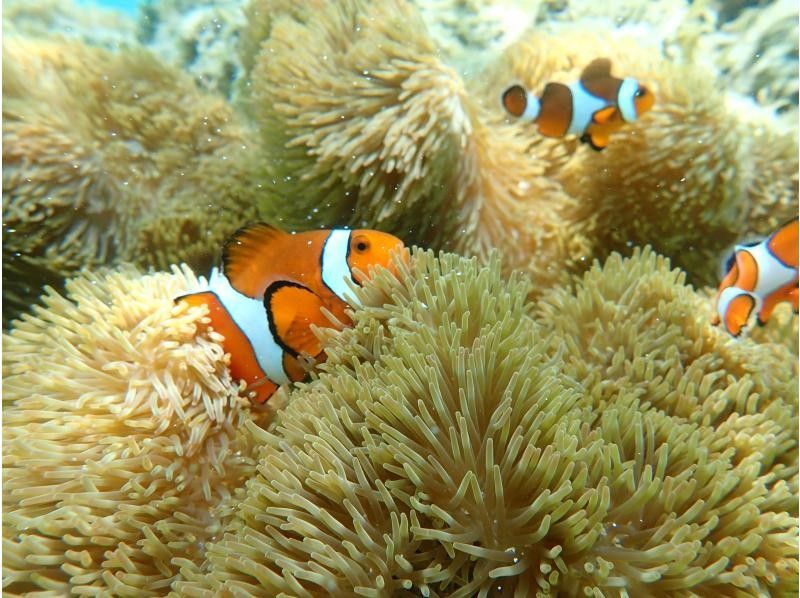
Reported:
(521, 103)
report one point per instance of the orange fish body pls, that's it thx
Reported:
(759, 276)
(273, 287)
(593, 107)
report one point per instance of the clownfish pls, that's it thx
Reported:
(759, 276)
(272, 288)
(593, 107)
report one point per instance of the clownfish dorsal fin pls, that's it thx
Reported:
(291, 310)
(599, 68)
(245, 254)
(783, 243)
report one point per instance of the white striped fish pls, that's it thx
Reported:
(271, 289)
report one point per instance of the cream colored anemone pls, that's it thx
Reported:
(365, 125)
(447, 451)
(110, 158)
(122, 429)
(691, 177)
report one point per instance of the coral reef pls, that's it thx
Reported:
(756, 54)
(455, 446)
(121, 429)
(96, 26)
(198, 37)
(468, 33)
(110, 158)
(672, 26)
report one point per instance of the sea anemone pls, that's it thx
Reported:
(366, 126)
(110, 158)
(690, 178)
(446, 451)
(469, 33)
(121, 430)
(756, 54)
(362, 121)
(633, 326)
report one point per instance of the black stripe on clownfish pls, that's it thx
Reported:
(593, 107)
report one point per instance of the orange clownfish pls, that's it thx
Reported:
(593, 107)
(759, 276)
(271, 289)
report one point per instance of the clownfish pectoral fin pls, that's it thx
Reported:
(519, 102)
(785, 293)
(291, 310)
(601, 117)
(247, 251)
(738, 312)
(597, 142)
(599, 68)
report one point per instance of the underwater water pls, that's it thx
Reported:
(400, 298)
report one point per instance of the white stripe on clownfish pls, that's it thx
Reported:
(584, 105)
(335, 267)
(532, 107)
(250, 316)
(772, 272)
(627, 91)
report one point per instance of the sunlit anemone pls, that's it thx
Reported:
(445, 452)
(365, 125)
(122, 429)
(691, 177)
(112, 157)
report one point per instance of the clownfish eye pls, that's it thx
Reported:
(361, 245)
(641, 92)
